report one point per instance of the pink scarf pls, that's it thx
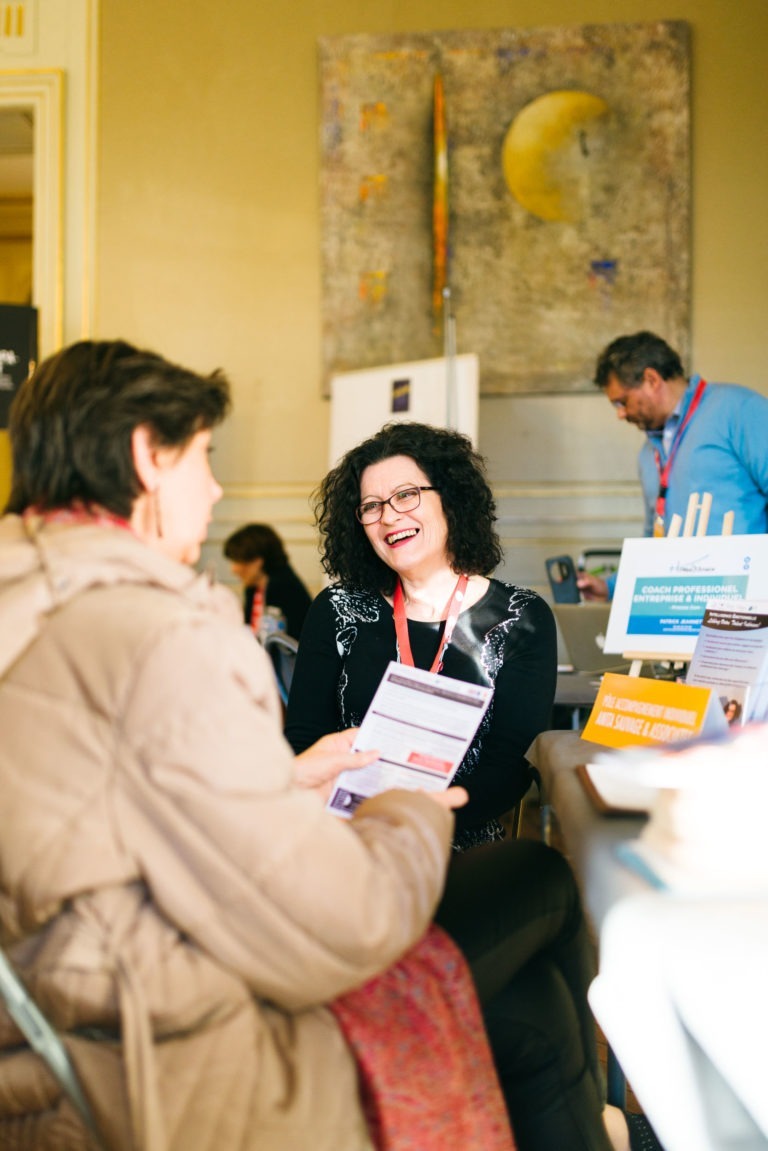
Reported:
(78, 513)
(427, 1077)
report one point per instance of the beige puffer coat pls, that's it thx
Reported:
(177, 907)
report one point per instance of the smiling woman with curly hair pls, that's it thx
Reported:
(455, 470)
(410, 513)
(407, 521)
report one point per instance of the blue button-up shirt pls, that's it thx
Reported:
(723, 450)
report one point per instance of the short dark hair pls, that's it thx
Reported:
(627, 358)
(72, 420)
(256, 541)
(453, 468)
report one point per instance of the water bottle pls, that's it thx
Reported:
(272, 620)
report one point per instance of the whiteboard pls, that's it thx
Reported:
(442, 392)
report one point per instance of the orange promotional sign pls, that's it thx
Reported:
(631, 710)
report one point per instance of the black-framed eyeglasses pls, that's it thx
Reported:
(622, 402)
(406, 500)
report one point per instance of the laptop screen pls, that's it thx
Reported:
(583, 627)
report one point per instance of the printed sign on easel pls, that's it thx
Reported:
(663, 587)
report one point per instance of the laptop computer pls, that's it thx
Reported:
(583, 627)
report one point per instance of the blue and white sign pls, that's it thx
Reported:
(663, 587)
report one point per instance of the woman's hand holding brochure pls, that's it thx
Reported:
(422, 724)
(320, 765)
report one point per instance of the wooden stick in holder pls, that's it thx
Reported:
(701, 506)
(705, 507)
(674, 527)
(690, 514)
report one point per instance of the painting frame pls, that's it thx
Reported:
(535, 298)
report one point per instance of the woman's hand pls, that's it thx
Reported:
(452, 797)
(318, 766)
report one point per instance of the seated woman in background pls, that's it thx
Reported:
(258, 559)
(407, 521)
(208, 939)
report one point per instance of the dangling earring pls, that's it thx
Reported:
(158, 515)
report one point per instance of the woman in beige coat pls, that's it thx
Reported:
(176, 896)
(157, 861)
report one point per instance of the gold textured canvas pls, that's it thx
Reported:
(568, 197)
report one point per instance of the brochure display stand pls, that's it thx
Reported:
(731, 657)
(678, 599)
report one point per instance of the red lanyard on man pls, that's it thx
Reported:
(452, 610)
(664, 473)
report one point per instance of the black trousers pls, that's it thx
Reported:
(514, 910)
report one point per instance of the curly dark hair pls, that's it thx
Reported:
(453, 468)
(627, 357)
(72, 420)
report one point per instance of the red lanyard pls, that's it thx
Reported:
(257, 610)
(661, 498)
(451, 615)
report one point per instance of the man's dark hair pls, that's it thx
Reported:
(453, 468)
(71, 423)
(628, 357)
(253, 542)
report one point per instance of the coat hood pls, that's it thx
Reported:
(44, 565)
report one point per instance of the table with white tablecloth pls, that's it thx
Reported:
(680, 993)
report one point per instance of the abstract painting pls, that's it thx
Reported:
(523, 195)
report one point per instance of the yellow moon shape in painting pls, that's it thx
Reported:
(547, 149)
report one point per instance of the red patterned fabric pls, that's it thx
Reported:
(427, 1077)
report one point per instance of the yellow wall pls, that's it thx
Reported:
(58, 39)
(207, 224)
(15, 281)
(207, 236)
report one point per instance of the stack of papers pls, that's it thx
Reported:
(614, 791)
(630, 779)
(707, 804)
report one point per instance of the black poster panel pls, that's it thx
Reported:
(18, 351)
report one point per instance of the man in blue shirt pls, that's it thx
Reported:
(700, 437)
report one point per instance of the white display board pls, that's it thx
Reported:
(664, 585)
(442, 392)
